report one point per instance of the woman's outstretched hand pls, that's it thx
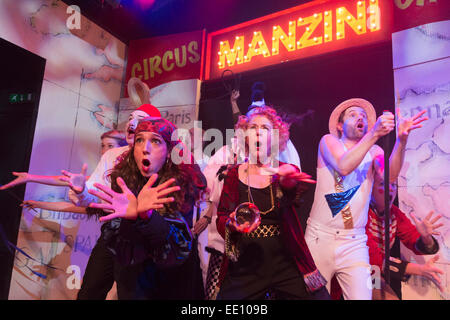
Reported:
(76, 181)
(289, 175)
(153, 198)
(123, 205)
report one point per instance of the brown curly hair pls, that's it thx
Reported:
(188, 176)
(271, 114)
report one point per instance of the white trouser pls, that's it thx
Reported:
(343, 253)
(202, 253)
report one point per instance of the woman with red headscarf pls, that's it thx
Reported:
(147, 230)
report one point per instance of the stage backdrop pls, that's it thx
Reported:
(79, 100)
(176, 100)
(422, 82)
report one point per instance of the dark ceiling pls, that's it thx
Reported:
(128, 20)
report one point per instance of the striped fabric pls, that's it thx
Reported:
(375, 226)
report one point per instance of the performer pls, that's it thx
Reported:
(273, 255)
(211, 245)
(418, 238)
(99, 274)
(151, 239)
(231, 154)
(348, 160)
(113, 139)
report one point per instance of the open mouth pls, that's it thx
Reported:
(146, 165)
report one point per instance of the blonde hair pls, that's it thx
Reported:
(117, 135)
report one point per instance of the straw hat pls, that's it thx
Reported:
(355, 102)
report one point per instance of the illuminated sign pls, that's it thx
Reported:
(314, 28)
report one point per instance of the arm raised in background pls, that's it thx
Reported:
(404, 127)
(234, 106)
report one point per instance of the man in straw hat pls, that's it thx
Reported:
(348, 160)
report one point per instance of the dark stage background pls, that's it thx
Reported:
(311, 87)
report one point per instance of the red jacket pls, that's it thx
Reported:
(400, 227)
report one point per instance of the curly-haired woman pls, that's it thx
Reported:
(269, 255)
(147, 230)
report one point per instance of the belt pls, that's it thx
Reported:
(265, 231)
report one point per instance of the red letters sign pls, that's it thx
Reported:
(164, 59)
(310, 29)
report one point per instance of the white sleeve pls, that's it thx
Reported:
(290, 155)
(98, 176)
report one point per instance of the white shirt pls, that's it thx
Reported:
(359, 204)
(100, 175)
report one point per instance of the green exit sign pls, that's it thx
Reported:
(20, 97)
